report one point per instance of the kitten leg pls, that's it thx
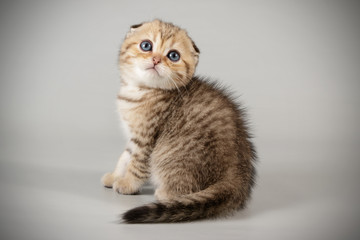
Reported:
(137, 171)
(170, 188)
(161, 194)
(109, 178)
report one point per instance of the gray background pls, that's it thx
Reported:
(294, 64)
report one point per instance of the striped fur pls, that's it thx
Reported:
(186, 134)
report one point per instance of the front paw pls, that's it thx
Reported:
(107, 180)
(123, 186)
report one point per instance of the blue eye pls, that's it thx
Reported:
(146, 46)
(173, 56)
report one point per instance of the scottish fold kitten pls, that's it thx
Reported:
(186, 134)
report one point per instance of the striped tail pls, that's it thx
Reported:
(213, 201)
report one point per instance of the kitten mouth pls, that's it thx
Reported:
(153, 69)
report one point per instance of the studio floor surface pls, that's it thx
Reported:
(51, 190)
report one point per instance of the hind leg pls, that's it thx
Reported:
(173, 171)
(162, 195)
(175, 186)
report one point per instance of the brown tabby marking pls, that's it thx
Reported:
(186, 134)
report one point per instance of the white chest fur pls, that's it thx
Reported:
(128, 100)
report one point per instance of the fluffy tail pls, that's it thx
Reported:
(213, 201)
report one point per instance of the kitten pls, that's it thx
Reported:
(185, 134)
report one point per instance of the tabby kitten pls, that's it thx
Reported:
(185, 134)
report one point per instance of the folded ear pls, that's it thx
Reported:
(197, 50)
(133, 29)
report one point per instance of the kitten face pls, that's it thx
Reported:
(158, 55)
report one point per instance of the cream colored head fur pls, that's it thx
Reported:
(154, 68)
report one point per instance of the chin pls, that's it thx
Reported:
(146, 78)
(150, 78)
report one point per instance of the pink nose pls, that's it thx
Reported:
(156, 60)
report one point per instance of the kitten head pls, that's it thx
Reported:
(158, 55)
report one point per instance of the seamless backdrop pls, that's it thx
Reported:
(295, 66)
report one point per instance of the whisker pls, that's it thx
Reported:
(169, 78)
(182, 84)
